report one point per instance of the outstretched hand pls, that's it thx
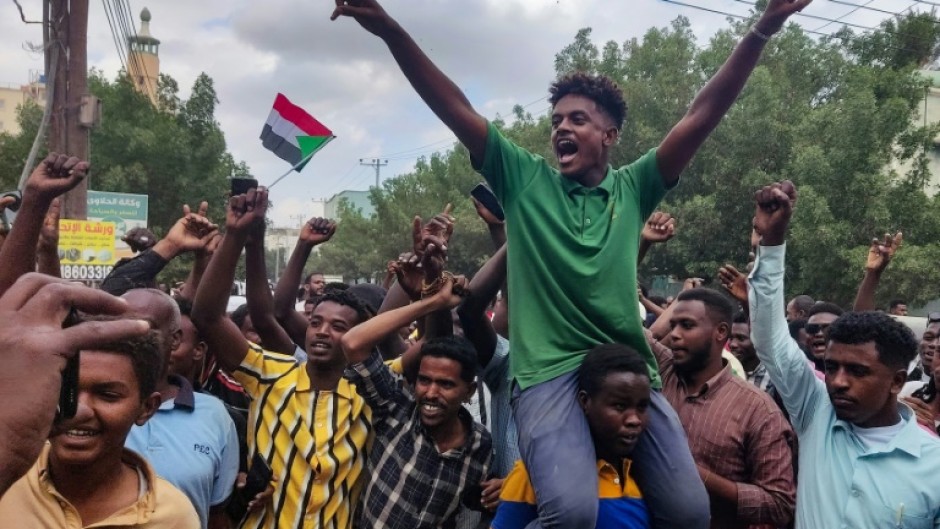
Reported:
(777, 13)
(368, 13)
(56, 175)
(408, 273)
(660, 227)
(441, 227)
(192, 232)
(880, 252)
(775, 203)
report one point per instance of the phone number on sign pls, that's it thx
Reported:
(86, 271)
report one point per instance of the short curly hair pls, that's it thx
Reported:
(347, 298)
(598, 88)
(894, 341)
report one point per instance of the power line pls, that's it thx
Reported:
(875, 9)
(115, 34)
(843, 16)
(849, 24)
(812, 32)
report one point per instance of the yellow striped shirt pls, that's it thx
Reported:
(315, 442)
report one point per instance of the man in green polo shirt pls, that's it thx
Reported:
(572, 262)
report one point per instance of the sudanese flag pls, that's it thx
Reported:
(293, 134)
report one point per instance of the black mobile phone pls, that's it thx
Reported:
(9, 212)
(486, 197)
(259, 477)
(68, 394)
(240, 186)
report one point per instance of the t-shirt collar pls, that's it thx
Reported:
(572, 187)
(185, 397)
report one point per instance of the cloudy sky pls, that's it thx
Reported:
(499, 51)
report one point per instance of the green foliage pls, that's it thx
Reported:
(174, 152)
(14, 148)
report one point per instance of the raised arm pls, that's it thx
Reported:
(220, 333)
(359, 341)
(192, 232)
(714, 100)
(483, 288)
(260, 300)
(786, 364)
(444, 98)
(315, 231)
(880, 254)
(52, 177)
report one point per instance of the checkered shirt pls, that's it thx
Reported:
(412, 485)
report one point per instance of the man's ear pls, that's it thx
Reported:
(199, 351)
(583, 399)
(898, 379)
(148, 407)
(722, 332)
(176, 339)
(611, 136)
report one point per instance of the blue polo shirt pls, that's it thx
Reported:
(191, 442)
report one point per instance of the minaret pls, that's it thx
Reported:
(143, 61)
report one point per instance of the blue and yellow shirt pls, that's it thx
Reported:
(620, 505)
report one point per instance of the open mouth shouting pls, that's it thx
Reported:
(565, 150)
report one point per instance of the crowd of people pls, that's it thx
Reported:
(420, 403)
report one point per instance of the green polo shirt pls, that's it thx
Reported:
(572, 258)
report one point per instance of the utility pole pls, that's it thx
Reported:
(378, 164)
(67, 135)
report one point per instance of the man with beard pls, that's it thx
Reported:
(864, 461)
(572, 225)
(429, 455)
(739, 438)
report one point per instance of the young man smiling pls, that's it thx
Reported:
(428, 454)
(572, 227)
(84, 476)
(864, 461)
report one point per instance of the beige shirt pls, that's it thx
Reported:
(34, 503)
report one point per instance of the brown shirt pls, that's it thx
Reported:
(737, 432)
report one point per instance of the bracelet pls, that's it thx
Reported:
(429, 289)
(759, 35)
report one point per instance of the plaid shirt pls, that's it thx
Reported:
(412, 485)
(761, 379)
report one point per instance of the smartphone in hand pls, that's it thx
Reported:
(485, 196)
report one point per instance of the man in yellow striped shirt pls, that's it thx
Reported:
(305, 420)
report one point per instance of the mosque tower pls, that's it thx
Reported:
(143, 60)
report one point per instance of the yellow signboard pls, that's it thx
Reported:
(86, 248)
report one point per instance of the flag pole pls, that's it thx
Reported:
(298, 164)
